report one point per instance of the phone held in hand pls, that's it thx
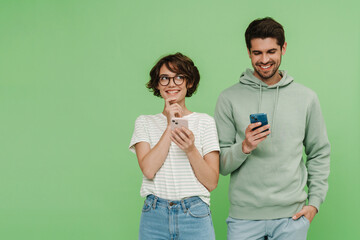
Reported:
(259, 117)
(178, 123)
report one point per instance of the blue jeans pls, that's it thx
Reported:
(186, 219)
(276, 229)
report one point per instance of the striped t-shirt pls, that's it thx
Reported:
(176, 180)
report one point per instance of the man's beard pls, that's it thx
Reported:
(268, 76)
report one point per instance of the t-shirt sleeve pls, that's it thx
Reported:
(140, 133)
(210, 138)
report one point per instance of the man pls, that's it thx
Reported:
(268, 172)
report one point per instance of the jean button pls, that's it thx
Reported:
(172, 204)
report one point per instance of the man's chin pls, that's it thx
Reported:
(263, 76)
(266, 76)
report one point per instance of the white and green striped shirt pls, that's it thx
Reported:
(176, 180)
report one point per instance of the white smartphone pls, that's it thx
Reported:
(178, 123)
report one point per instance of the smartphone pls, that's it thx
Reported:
(259, 117)
(178, 123)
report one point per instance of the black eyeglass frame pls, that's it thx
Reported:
(173, 78)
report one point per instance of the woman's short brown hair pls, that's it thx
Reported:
(176, 63)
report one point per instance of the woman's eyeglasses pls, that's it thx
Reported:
(165, 80)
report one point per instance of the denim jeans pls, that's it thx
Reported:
(276, 229)
(176, 220)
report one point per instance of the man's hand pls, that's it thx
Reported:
(254, 137)
(307, 211)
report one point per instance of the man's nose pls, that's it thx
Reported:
(264, 58)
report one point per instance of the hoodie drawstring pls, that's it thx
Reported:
(260, 99)
(275, 107)
(274, 112)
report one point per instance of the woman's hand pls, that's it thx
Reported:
(184, 139)
(172, 109)
(206, 168)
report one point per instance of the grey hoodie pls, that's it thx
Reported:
(269, 182)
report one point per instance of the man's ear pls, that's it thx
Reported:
(249, 53)
(283, 49)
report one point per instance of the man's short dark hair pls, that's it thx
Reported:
(176, 63)
(265, 28)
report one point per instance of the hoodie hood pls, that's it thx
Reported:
(248, 78)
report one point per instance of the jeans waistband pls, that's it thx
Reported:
(184, 203)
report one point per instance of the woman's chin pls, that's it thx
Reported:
(174, 98)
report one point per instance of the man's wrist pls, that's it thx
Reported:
(315, 208)
(243, 148)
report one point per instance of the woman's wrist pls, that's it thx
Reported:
(168, 130)
(191, 150)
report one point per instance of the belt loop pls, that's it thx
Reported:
(183, 206)
(154, 203)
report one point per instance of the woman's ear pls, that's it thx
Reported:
(189, 85)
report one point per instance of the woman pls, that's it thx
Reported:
(180, 167)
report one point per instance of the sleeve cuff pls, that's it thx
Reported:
(315, 202)
(240, 154)
(231, 159)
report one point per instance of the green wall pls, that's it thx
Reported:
(72, 77)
